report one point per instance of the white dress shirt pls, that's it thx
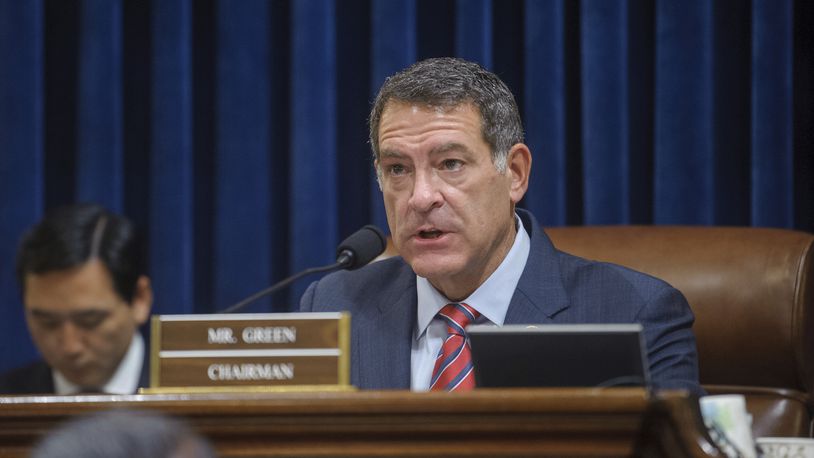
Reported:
(491, 299)
(124, 381)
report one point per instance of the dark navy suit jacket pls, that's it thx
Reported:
(36, 378)
(555, 287)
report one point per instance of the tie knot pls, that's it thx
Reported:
(458, 317)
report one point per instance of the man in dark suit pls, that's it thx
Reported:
(449, 155)
(81, 275)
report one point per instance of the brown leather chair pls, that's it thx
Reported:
(752, 292)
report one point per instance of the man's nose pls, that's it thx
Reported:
(71, 339)
(426, 193)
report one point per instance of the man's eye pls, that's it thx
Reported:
(89, 321)
(397, 169)
(49, 323)
(452, 164)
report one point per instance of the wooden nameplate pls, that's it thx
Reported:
(250, 352)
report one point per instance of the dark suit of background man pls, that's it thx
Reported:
(81, 275)
(448, 150)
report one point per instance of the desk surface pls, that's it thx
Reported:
(484, 422)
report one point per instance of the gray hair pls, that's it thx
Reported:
(123, 434)
(448, 82)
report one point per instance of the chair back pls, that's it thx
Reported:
(752, 293)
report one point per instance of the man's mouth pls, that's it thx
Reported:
(431, 234)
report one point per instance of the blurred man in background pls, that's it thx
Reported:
(82, 279)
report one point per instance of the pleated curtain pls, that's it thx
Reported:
(233, 132)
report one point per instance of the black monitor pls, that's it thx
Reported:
(559, 355)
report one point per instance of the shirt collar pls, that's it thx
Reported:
(492, 297)
(124, 381)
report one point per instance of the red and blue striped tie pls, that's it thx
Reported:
(453, 366)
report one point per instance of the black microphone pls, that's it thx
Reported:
(361, 247)
(358, 249)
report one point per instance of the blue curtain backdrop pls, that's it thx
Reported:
(233, 132)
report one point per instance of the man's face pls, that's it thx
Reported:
(80, 325)
(449, 210)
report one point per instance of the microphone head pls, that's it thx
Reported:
(361, 247)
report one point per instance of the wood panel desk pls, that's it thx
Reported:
(484, 423)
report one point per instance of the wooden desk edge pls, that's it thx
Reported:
(540, 422)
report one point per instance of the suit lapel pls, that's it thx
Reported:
(540, 293)
(44, 379)
(382, 344)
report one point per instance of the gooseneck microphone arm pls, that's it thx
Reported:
(358, 249)
(280, 285)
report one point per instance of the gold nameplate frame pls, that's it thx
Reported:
(251, 351)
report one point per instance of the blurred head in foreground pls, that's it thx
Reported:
(123, 434)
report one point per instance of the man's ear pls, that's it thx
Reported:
(142, 300)
(518, 166)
